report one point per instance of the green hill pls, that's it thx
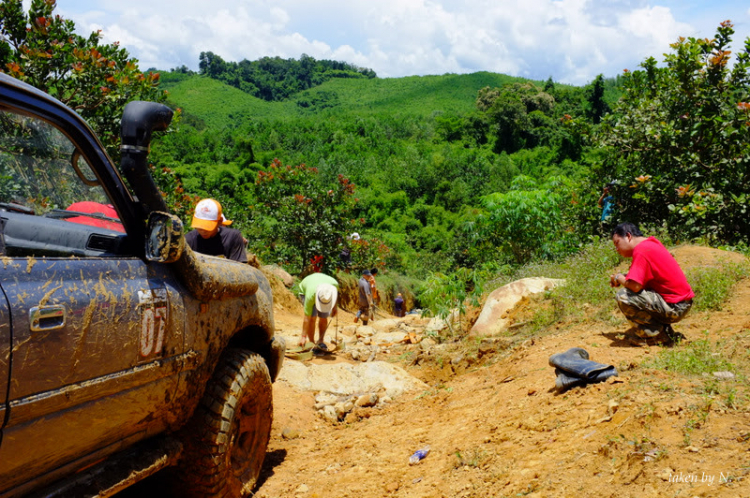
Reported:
(420, 152)
(418, 95)
(219, 105)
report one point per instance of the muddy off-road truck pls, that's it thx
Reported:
(122, 352)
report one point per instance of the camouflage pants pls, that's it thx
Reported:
(649, 311)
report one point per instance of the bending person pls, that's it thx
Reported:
(321, 293)
(212, 235)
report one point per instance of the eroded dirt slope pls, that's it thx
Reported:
(498, 428)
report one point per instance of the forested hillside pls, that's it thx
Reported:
(480, 171)
(421, 153)
(274, 78)
(451, 180)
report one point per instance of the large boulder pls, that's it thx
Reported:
(493, 318)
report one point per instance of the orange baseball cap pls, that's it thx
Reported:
(207, 215)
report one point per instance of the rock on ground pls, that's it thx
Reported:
(493, 318)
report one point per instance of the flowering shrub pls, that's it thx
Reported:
(302, 216)
(94, 78)
(370, 253)
(680, 141)
(179, 201)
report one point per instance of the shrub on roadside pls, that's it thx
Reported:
(712, 285)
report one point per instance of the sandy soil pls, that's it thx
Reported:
(497, 427)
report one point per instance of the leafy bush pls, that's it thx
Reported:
(712, 285)
(368, 253)
(304, 217)
(678, 143)
(443, 294)
(526, 222)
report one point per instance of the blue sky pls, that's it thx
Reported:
(571, 41)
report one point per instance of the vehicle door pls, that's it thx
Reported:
(4, 357)
(97, 333)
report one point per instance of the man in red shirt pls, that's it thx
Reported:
(655, 291)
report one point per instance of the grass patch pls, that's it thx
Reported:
(694, 358)
(473, 458)
(701, 359)
(434, 392)
(586, 276)
(712, 285)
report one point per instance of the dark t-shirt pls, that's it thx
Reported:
(398, 303)
(346, 255)
(228, 243)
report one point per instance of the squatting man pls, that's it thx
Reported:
(655, 292)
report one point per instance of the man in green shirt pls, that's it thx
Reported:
(321, 293)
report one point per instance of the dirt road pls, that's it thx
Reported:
(497, 427)
(500, 429)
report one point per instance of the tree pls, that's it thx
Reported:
(511, 111)
(597, 106)
(94, 79)
(210, 64)
(301, 217)
(524, 222)
(679, 141)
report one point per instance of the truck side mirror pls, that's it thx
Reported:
(165, 242)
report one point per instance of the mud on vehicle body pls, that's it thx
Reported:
(121, 350)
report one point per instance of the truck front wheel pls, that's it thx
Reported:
(229, 433)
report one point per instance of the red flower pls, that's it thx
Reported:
(685, 190)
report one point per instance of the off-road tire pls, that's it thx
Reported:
(228, 435)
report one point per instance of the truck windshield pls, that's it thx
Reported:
(41, 174)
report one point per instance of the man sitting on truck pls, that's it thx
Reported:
(212, 235)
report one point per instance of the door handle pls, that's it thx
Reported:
(45, 318)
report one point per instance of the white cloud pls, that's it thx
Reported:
(280, 16)
(570, 40)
